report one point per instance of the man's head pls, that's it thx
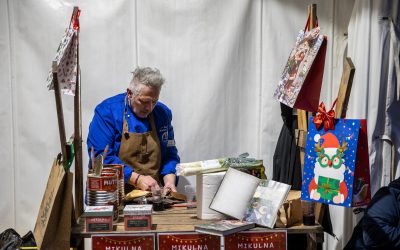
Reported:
(144, 90)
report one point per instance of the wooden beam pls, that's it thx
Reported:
(340, 112)
(78, 136)
(60, 114)
(312, 9)
(302, 119)
(346, 83)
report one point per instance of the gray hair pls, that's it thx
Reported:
(145, 76)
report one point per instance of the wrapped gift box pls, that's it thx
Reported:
(98, 218)
(137, 217)
(328, 187)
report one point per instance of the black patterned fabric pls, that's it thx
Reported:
(286, 162)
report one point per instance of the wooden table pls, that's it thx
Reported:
(183, 220)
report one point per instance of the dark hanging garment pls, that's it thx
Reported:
(286, 162)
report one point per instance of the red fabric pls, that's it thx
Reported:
(75, 20)
(306, 27)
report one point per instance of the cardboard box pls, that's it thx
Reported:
(98, 218)
(137, 217)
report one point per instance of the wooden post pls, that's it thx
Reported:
(302, 118)
(60, 114)
(78, 136)
(346, 83)
(345, 88)
(302, 114)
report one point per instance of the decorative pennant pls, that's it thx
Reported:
(67, 58)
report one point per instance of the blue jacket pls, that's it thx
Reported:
(380, 226)
(106, 128)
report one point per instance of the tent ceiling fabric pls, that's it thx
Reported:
(222, 61)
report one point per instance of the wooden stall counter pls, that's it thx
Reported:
(177, 220)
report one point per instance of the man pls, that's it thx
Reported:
(380, 226)
(137, 128)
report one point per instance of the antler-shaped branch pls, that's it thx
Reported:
(343, 147)
(318, 147)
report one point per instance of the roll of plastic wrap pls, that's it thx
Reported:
(206, 187)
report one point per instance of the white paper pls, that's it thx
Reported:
(236, 190)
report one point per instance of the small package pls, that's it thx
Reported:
(98, 218)
(290, 213)
(137, 217)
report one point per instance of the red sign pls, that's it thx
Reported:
(271, 240)
(181, 241)
(123, 242)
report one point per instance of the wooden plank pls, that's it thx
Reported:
(320, 211)
(346, 83)
(311, 242)
(60, 114)
(176, 220)
(313, 20)
(301, 138)
(78, 135)
(176, 210)
(169, 228)
(78, 148)
(302, 124)
(301, 114)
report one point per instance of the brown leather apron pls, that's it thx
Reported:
(141, 151)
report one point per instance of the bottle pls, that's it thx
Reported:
(158, 204)
(308, 213)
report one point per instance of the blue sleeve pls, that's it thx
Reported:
(381, 223)
(102, 132)
(171, 152)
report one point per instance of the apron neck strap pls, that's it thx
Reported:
(125, 123)
(152, 123)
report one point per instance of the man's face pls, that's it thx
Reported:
(143, 103)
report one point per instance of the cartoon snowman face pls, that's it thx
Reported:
(329, 163)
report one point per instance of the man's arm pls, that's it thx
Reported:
(171, 158)
(169, 182)
(102, 132)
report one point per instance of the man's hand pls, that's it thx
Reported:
(169, 182)
(143, 182)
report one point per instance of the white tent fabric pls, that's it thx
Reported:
(222, 61)
(373, 39)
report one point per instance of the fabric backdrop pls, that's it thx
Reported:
(222, 61)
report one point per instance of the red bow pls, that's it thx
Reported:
(327, 118)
